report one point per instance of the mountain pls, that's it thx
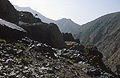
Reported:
(65, 25)
(38, 51)
(103, 32)
(43, 18)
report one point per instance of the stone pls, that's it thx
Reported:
(45, 33)
(11, 31)
(75, 46)
(12, 75)
(68, 37)
(10, 62)
(8, 12)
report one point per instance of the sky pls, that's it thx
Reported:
(80, 11)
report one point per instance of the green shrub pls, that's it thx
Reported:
(20, 45)
(62, 58)
(3, 41)
(69, 61)
(24, 60)
(50, 76)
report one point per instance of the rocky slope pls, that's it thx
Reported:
(31, 59)
(65, 25)
(103, 32)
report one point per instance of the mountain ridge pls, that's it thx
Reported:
(65, 25)
(104, 33)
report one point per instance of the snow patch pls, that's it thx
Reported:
(11, 25)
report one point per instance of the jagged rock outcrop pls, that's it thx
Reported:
(28, 17)
(103, 32)
(42, 32)
(10, 31)
(45, 33)
(8, 12)
(68, 37)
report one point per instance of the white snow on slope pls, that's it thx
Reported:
(11, 25)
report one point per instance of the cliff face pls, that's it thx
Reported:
(10, 31)
(42, 32)
(8, 12)
(103, 32)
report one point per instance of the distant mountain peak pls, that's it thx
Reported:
(65, 19)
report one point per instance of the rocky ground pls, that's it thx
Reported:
(31, 59)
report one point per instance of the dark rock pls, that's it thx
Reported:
(10, 31)
(8, 12)
(118, 69)
(75, 46)
(39, 31)
(56, 39)
(68, 37)
(27, 17)
(45, 33)
(94, 73)
(12, 75)
(10, 61)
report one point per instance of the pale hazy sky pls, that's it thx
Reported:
(80, 11)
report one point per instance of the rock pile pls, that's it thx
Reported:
(31, 59)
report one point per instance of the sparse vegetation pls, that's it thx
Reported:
(62, 58)
(3, 41)
(20, 45)
(50, 76)
(24, 60)
(69, 61)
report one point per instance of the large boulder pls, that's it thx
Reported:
(8, 12)
(55, 36)
(68, 37)
(10, 31)
(45, 33)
